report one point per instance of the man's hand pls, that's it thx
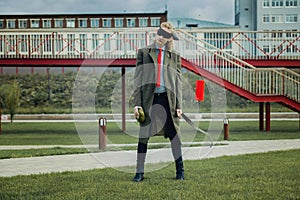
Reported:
(179, 112)
(136, 111)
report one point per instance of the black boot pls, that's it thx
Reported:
(140, 162)
(179, 169)
(138, 177)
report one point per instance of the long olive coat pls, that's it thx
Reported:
(145, 82)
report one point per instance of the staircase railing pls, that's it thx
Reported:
(259, 81)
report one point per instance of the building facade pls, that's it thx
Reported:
(267, 15)
(58, 21)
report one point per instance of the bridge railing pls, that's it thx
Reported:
(255, 45)
(108, 43)
(99, 43)
(259, 81)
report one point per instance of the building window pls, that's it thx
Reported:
(94, 23)
(35, 42)
(277, 19)
(143, 22)
(59, 23)
(1, 24)
(107, 42)
(70, 23)
(291, 3)
(291, 18)
(155, 21)
(266, 48)
(266, 18)
(106, 22)
(277, 3)
(120, 43)
(71, 42)
(119, 22)
(23, 43)
(47, 23)
(95, 41)
(47, 46)
(59, 41)
(22, 23)
(35, 23)
(291, 33)
(83, 42)
(277, 34)
(82, 23)
(11, 23)
(266, 3)
(130, 22)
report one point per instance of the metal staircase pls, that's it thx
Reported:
(256, 84)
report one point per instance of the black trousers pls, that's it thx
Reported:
(169, 128)
(161, 112)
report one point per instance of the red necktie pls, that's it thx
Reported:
(159, 67)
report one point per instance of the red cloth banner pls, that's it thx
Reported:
(200, 85)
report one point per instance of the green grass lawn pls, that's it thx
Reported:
(66, 134)
(273, 175)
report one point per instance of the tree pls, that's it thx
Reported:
(10, 97)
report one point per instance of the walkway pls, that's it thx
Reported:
(115, 159)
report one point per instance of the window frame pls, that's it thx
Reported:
(11, 23)
(119, 22)
(58, 23)
(82, 22)
(106, 22)
(143, 22)
(130, 22)
(34, 23)
(70, 22)
(95, 22)
(46, 21)
(23, 23)
(155, 21)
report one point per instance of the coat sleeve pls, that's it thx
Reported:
(178, 82)
(138, 74)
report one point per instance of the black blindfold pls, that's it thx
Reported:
(165, 34)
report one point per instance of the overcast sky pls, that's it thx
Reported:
(211, 10)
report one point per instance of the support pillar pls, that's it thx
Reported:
(0, 119)
(123, 100)
(261, 116)
(268, 117)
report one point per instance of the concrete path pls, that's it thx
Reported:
(117, 159)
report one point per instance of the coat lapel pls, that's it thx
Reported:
(167, 58)
(152, 53)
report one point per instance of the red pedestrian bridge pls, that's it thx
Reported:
(260, 66)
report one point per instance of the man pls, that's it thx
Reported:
(158, 95)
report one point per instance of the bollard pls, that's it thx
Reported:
(102, 133)
(226, 129)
